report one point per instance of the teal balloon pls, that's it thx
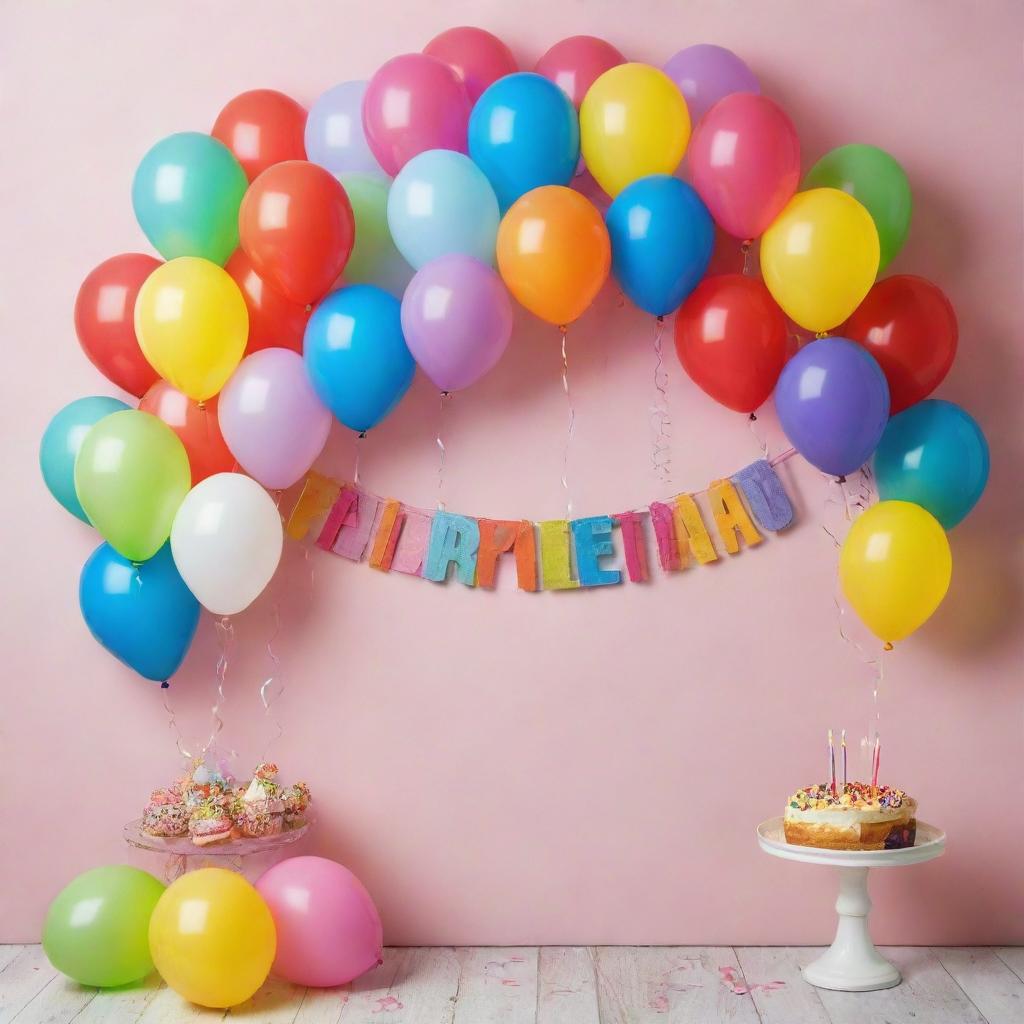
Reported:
(935, 455)
(60, 444)
(186, 194)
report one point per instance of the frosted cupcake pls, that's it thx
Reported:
(210, 823)
(166, 814)
(260, 810)
(296, 804)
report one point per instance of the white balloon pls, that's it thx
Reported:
(226, 541)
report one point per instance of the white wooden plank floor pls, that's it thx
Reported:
(560, 985)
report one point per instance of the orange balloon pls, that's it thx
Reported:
(553, 252)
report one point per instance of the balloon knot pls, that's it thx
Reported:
(165, 685)
(887, 646)
(563, 329)
(821, 334)
(753, 418)
(362, 434)
(446, 394)
(745, 247)
(840, 479)
(661, 319)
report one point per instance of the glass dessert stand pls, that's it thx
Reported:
(852, 963)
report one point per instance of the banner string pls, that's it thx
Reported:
(443, 452)
(572, 423)
(661, 421)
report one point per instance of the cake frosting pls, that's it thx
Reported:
(854, 816)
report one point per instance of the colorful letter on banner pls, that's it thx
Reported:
(452, 539)
(768, 501)
(413, 541)
(665, 535)
(357, 527)
(317, 497)
(348, 499)
(498, 536)
(592, 540)
(555, 560)
(730, 516)
(691, 533)
(633, 544)
(386, 538)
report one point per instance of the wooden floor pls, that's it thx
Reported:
(561, 985)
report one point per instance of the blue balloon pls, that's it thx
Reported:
(356, 354)
(61, 441)
(935, 455)
(662, 237)
(524, 133)
(142, 613)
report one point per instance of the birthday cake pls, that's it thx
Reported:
(851, 816)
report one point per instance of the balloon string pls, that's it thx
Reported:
(661, 421)
(572, 424)
(360, 437)
(225, 640)
(745, 250)
(759, 436)
(443, 452)
(267, 697)
(172, 724)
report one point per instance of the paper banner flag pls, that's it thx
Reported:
(317, 497)
(691, 533)
(452, 539)
(526, 556)
(662, 519)
(498, 536)
(631, 529)
(592, 540)
(347, 499)
(555, 559)
(731, 516)
(385, 540)
(768, 501)
(357, 527)
(413, 539)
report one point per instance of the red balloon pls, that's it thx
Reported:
(105, 321)
(574, 64)
(475, 55)
(731, 340)
(909, 326)
(296, 226)
(196, 425)
(274, 322)
(262, 127)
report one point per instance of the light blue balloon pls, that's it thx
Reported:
(61, 441)
(334, 132)
(442, 203)
(524, 133)
(662, 237)
(933, 454)
(356, 355)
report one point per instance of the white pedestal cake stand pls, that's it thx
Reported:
(852, 963)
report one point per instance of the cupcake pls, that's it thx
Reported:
(203, 783)
(166, 814)
(259, 811)
(210, 823)
(296, 803)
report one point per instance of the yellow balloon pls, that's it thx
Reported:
(819, 257)
(895, 567)
(212, 938)
(633, 122)
(192, 325)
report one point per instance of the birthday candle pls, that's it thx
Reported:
(876, 758)
(844, 760)
(832, 764)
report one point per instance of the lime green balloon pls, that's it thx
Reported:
(97, 929)
(374, 259)
(131, 474)
(878, 182)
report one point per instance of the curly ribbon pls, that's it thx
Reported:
(267, 697)
(572, 424)
(172, 724)
(443, 452)
(226, 641)
(661, 421)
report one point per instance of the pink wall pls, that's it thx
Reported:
(511, 768)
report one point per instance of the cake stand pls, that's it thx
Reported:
(852, 963)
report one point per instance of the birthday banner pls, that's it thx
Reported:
(554, 554)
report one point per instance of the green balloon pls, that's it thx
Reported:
(374, 259)
(97, 929)
(877, 182)
(131, 474)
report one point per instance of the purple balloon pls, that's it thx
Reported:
(833, 403)
(457, 318)
(705, 73)
(271, 419)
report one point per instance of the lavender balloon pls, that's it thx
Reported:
(334, 132)
(457, 318)
(833, 403)
(705, 73)
(271, 418)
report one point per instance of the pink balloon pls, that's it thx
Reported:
(271, 418)
(457, 319)
(328, 930)
(574, 64)
(475, 55)
(745, 162)
(414, 103)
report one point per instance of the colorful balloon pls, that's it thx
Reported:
(271, 418)
(334, 132)
(576, 63)
(375, 258)
(226, 541)
(457, 319)
(895, 567)
(935, 455)
(833, 404)
(633, 122)
(356, 356)
(296, 227)
(909, 326)
(745, 163)
(662, 238)
(131, 475)
(475, 55)
(212, 937)
(819, 257)
(731, 340)
(105, 321)
(192, 325)
(142, 613)
(61, 441)
(554, 253)
(705, 74)
(414, 103)
(441, 203)
(197, 428)
(523, 133)
(186, 194)
(274, 321)
(262, 127)
(878, 183)
(96, 929)
(328, 930)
